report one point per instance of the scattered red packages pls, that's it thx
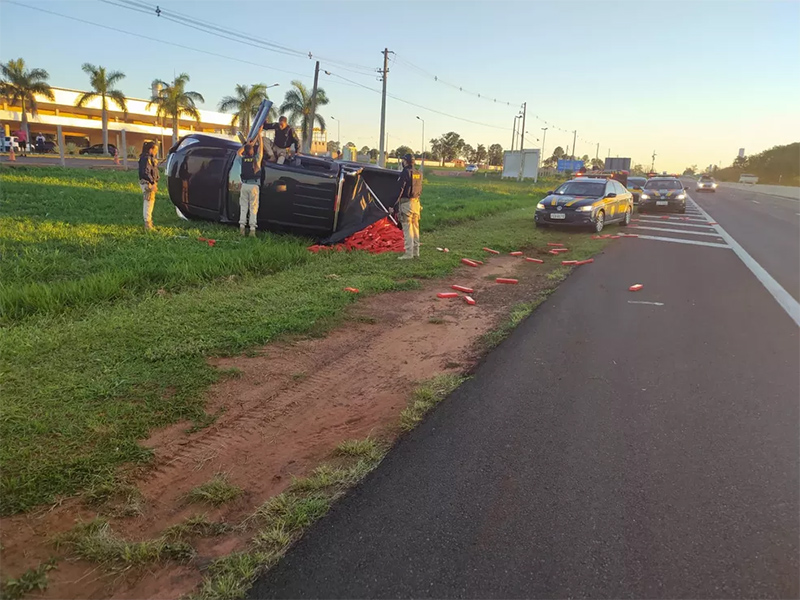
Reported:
(469, 263)
(554, 244)
(635, 287)
(615, 237)
(553, 252)
(479, 262)
(447, 295)
(630, 235)
(559, 250)
(491, 251)
(352, 290)
(381, 236)
(469, 300)
(461, 288)
(506, 280)
(202, 239)
(569, 262)
(443, 249)
(597, 237)
(534, 260)
(211, 242)
(585, 262)
(517, 253)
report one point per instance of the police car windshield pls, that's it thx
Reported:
(636, 181)
(663, 184)
(581, 188)
(706, 179)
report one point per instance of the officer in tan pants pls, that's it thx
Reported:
(409, 208)
(148, 181)
(252, 155)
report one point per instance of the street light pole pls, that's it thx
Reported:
(544, 139)
(422, 165)
(338, 133)
(514, 133)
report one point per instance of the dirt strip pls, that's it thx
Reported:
(294, 402)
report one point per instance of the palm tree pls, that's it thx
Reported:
(297, 103)
(21, 85)
(245, 104)
(172, 100)
(103, 87)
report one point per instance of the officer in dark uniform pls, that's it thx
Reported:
(409, 208)
(285, 136)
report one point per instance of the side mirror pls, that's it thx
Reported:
(611, 195)
(550, 192)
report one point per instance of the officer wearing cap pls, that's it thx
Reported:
(410, 184)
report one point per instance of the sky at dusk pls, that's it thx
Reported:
(692, 81)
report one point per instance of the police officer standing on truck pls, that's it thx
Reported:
(252, 154)
(410, 183)
(285, 136)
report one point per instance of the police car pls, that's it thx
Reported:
(663, 194)
(586, 202)
(706, 183)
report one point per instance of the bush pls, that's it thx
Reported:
(133, 152)
(71, 149)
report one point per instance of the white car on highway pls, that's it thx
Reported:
(706, 184)
(745, 178)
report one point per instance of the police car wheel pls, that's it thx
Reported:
(599, 221)
(626, 220)
(541, 225)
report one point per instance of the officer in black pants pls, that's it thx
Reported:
(409, 208)
(285, 136)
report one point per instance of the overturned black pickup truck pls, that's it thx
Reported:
(315, 196)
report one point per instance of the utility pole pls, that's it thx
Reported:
(382, 150)
(514, 133)
(522, 142)
(597, 153)
(653, 164)
(312, 117)
(422, 166)
(574, 143)
(544, 138)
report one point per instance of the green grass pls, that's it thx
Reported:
(283, 519)
(32, 580)
(88, 374)
(96, 542)
(425, 397)
(216, 492)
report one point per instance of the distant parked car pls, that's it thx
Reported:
(472, 168)
(635, 185)
(706, 184)
(98, 149)
(745, 178)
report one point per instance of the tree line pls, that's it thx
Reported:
(20, 85)
(779, 165)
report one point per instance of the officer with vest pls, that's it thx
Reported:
(252, 153)
(285, 136)
(410, 183)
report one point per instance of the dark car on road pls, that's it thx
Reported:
(316, 196)
(635, 185)
(663, 194)
(98, 149)
(706, 183)
(586, 202)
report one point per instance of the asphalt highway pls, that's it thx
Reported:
(616, 445)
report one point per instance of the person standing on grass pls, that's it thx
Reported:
(148, 181)
(252, 154)
(410, 183)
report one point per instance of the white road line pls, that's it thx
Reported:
(665, 230)
(787, 302)
(673, 219)
(756, 202)
(673, 224)
(680, 241)
(645, 302)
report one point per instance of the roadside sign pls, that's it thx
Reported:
(568, 165)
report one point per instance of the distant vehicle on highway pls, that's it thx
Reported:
(635, 185)
(706, 183)
(472, 168)
(98, 149)
(745, 178)
(663, 194)
(586, 202)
